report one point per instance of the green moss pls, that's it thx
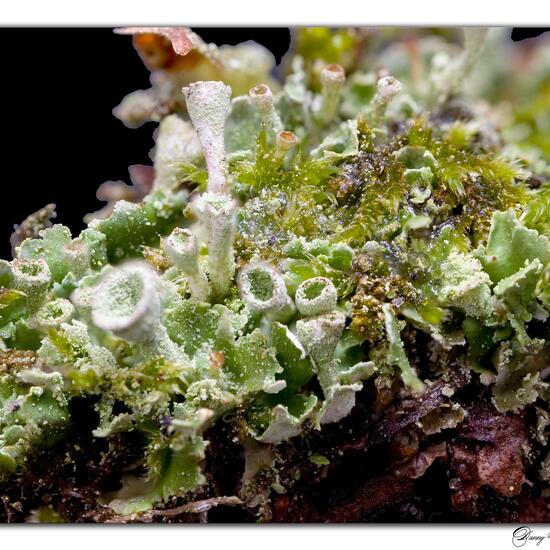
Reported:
(468, 177)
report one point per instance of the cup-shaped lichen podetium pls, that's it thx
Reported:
(182, 250)
(77, 256)
(316, 296)
(32, 277)
(285, 142)
(332, 78)
(54, 313)
(263, 290)
(387, 88)
(127, 302)
(322, 327)
(208, 105)
(262, 99)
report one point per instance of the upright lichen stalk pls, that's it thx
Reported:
(262, 99)
(333, 78)
(209, 104)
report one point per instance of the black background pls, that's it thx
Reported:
(59, 137)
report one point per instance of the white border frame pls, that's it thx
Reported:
(270, 13)
(277, 12)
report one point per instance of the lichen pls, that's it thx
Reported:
(337, 238)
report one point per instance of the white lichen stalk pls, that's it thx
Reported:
(218, 211)
(320, 332)
(333, 78)
(387, 88)
(208, 104)
(77, 255)
(262, 99)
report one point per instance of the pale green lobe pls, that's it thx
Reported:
(319, 459)
(50, 248)
(132, 226)
(510, 246)
(291, 354)
(518, 290)
(96, 243)
(340, 144)
(13, 305)
(339, 401)
(518, 380)
(285, 424)
(194, 325)
(250, 363)
(466, 286)
(31, 417)
(357, 373)
(208, 394)
(177, 471)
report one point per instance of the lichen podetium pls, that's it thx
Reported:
(335, 281)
